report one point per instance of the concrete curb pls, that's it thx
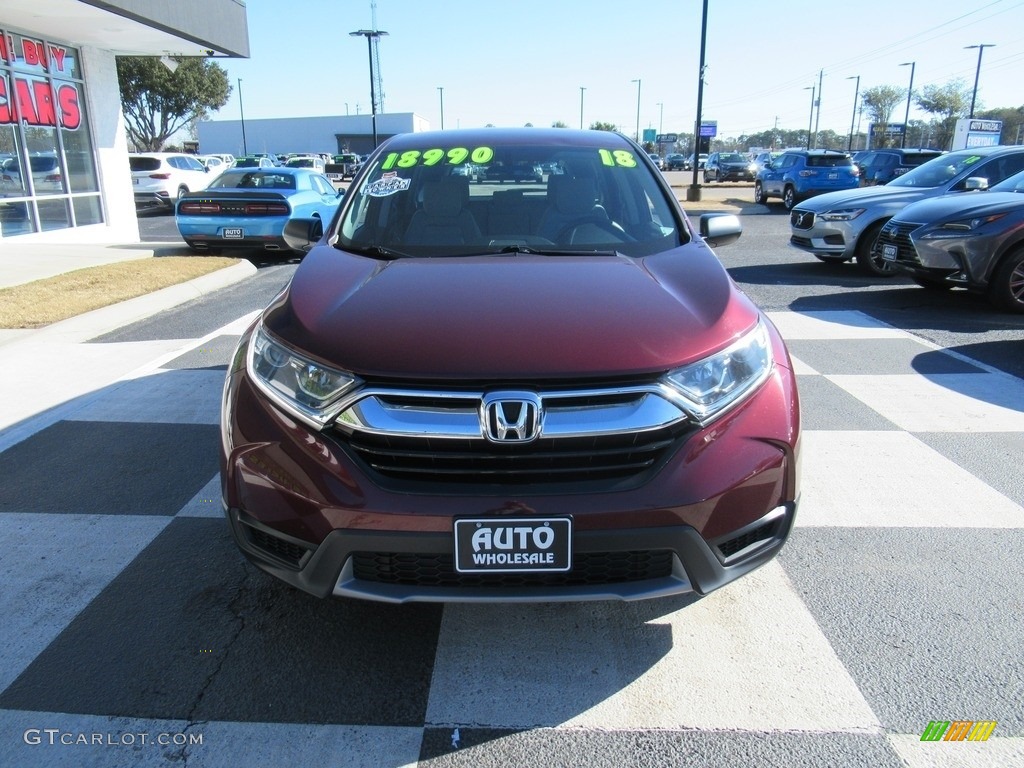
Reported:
(99, 321)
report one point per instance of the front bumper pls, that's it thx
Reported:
(822, 238)
(304, 507)
(401, 567)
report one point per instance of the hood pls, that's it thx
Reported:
(510, 316)
(961, 206)
(868, 196)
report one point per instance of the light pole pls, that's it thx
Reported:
(440, 90)
(853, 116)
(810, 120)
(910, 92)
(241, 111)
(817, 118)
(582, 89)
(981, 49)
(661, 118)
(370, 35)
(637, 109)
(693, 192)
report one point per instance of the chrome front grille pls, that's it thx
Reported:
(571, 435)
(898, 234)
(801, 219)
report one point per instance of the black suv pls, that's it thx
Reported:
(729, 166)
(880, 166)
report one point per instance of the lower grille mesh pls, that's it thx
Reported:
(589, 568)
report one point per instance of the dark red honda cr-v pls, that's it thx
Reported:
(483, 388)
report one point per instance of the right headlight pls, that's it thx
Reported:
(711, 386)
(301, 386)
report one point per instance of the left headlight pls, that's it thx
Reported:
(301, 386)
(844, 214)
(711, 386)
(961, 227)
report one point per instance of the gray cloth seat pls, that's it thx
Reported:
(443, 218)
(572, 202)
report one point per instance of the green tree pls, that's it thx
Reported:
(880, 102)
(949, 102)
(599, 126)
(559, 124)
(157, 103)
(1013, 122)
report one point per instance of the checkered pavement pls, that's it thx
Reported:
(134, 633)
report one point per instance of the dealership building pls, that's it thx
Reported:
(60, 106)
(331, 135)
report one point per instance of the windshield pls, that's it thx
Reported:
(262, 179)
(591, 193)
(735, 157)
(938, 171)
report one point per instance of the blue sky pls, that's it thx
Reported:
(519, 61)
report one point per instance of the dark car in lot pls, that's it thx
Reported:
(675, 162)
(880, 166)
(973, 241)
(797, 174)
(841, 226)
(541, 393)
(729, 166)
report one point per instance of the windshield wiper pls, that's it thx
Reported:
(375, 251)
(555, 251)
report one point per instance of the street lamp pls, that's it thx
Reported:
(637, 109)
(810, 120)
(661, 118)
(981, 49)
(241, 111)
(371, 35)
(856, 93)
(582, 89)
(693, 193)
(910, 92)
(440, 90)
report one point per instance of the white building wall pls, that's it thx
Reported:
(111, 144)
(299, 134)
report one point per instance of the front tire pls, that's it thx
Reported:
(759, 196)
(1006, 290)
(789, 198)
(868, 262)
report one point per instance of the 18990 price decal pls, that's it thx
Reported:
(454, 156)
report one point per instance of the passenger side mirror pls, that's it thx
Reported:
(975, 183)
(720, 228)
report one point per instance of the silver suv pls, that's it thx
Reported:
(840, 226)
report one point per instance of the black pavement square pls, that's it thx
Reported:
(926, 620)
(825, 405)
(190, 630)
(109, 468)
(214, 353)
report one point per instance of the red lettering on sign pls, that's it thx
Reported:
(4, 55)
(70, 112)
(37, 105)
(7, 115)
(33, 52)
(45, 112)
(26, 108)
(57, 55)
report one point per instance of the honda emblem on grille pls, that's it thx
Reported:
(510, 417)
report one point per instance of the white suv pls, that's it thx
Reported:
(160, 177)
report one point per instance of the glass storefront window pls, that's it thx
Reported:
(47, 161)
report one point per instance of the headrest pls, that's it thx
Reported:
(444, 197)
